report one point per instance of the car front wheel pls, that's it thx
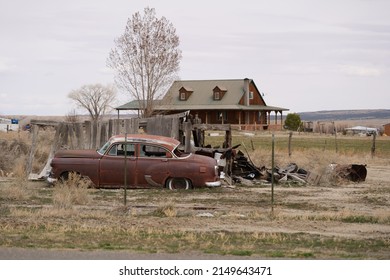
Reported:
(178, 184)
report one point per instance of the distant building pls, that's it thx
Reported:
(363, 130)
(9, 124)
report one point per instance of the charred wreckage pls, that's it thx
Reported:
(239, 168)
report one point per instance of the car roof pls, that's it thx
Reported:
(147, 138)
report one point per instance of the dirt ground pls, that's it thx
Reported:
(297, 209)
(355, 211)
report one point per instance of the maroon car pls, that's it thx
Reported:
(149, 161)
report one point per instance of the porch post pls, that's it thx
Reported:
(281, 120)
(276, 118)
(268, 117)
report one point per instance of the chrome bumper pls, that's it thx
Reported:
(51, 180)
(213, 184)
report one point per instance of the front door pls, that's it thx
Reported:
(113, 164)
(152, 166)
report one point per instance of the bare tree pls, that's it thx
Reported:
(95, 98)
(146, 58)
(72, 117)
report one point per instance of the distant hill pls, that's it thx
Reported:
(346, 115)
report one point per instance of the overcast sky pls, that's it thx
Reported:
(305, 55)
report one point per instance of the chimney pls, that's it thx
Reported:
(246, 92)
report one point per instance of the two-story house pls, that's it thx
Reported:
(237, 102)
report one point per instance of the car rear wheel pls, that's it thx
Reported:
(64, 177)
(178, 184)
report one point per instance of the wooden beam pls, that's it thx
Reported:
(44, 123)
(223, 127)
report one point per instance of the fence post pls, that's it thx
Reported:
(110, 127)
(94, 134)
(272, 173)
(79, 135)
(88, 136)
(103, 135)
(187, 133)
(335, 137)
(35, 129)
(373, 145)
(289, 143)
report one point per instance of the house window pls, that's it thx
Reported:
(182, 96)
(222, 115)
(216, 95)
(251, 95)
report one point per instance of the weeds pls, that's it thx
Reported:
(168, 210)
(73, 191)
(69, 215)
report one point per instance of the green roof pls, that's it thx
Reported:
(201, 97)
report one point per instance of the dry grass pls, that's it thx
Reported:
(15, 148)
(16, 191)
(73, 191)
(166, 210)
(307, 221)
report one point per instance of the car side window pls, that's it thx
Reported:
(113, 150)
(153, 151)
(119, 150)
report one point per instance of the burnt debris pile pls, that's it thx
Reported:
(243, 168)
(240, 169)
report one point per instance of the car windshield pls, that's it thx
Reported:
(103, 149)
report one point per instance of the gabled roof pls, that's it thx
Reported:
(136, 105)
(203, 93)
(202, 96)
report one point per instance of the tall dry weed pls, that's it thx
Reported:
(167, 210)
(13, 150)
(71, 192)
(15, 191)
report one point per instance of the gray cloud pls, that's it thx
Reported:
(292, 49)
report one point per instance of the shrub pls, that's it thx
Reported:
(292, 122)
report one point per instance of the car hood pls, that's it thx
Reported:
(77, 154)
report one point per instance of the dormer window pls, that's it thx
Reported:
(251, 95)
(219, 92)
(184, 93)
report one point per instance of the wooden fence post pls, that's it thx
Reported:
(110, 127)
(187, 133)
(71, 142)
(335, 137)
(78, 130)
(35, 129)
(88, 135)
(94, 135)
(103, 135)
(373, 145)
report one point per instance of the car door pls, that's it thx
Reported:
(152, 165)
(114, 162)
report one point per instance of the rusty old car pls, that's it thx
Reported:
(149, 161)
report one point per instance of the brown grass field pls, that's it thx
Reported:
(330, 220)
